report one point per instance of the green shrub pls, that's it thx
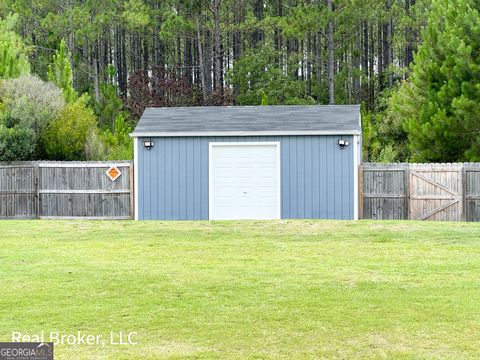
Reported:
(109, 105)
(30, 103)
(65, 137)
(16, 143)
(388, 154)
(118, 143)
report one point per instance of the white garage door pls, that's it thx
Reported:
(244, 181)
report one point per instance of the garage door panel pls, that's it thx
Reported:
(259, 191)
(229, 213)
(245, 183)
(244, 204)
(243, 180)
(246, 174)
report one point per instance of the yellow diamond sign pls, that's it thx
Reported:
(113, 173)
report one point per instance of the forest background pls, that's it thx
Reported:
(75, 75)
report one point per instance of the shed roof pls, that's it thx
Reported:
(249, 120)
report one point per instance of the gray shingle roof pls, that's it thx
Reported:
(249, 120)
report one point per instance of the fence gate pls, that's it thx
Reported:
(436, 192)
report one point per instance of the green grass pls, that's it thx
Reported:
(222, 290)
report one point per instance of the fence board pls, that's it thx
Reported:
(472, 194)
(65, 190)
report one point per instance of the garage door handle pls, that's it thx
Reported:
(244, 192)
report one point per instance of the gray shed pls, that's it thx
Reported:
(247, 162)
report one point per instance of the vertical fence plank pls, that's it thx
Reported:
(472, 192)
(406, 187)
(132, 192)
(360, 191)
(464, 199)
(37, 189)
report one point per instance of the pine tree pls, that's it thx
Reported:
(441, 105)
(13, 60)
(60, 72)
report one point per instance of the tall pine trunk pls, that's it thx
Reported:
(218, 46)
(319, 65)
(356, 66)
(208, 61)
(331, 54)
(278, 33)
(123, 63)
(237, 41)
(389, 43)
(380, 57)
(309, 64)
(96, 87)
(157, 44)
(116, 64)
(201, 60)
(257, 37)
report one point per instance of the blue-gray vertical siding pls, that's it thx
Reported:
(316, 177)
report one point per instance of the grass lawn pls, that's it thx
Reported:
(223, 290)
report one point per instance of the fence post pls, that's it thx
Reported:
(407, 192)
(464, 192)
(36, 173)
(360, 191)
(132, 190)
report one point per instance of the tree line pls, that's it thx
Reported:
(344, 51)
(130, 54)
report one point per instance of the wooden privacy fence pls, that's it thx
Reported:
(449, 192)
(58, 190)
